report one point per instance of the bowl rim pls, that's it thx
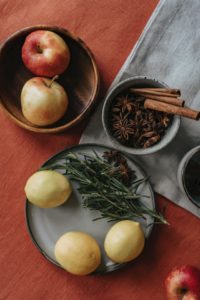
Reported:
(136, 151)
(183, 164)
(93, 97)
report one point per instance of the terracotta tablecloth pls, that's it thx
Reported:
(110, 28)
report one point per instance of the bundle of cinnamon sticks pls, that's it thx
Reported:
(166, 100)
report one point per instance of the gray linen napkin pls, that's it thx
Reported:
(168, 50)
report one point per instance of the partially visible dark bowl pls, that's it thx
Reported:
(80, 80)
(137, 82)
(189, 175)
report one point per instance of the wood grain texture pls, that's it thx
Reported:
(80, 80)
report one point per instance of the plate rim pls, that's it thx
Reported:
(107, 269)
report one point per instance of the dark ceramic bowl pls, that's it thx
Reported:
(189, 175)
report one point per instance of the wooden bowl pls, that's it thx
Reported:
(80, 80)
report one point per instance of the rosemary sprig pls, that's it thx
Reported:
(102, 190)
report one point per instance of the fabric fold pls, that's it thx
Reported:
(168, 50)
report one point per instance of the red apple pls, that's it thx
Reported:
(183, 283)
(43, 101)
(45, 53)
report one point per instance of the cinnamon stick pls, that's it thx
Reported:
(161, 92)
(169, 100)
(164, 90)
(164, 95)
(172, 109)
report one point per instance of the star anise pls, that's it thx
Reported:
(123, 104)
(126, 174)
(122, 128)
(114, 156)
(133, 125)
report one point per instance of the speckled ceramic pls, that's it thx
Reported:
(137, 82)
(46, 225)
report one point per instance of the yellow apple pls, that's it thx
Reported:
(43, 101)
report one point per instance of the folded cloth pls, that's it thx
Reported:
(167, 50)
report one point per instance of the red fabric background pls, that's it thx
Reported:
(110, 28)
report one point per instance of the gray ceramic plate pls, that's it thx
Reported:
(47, 225)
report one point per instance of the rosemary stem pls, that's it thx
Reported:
(102, 189)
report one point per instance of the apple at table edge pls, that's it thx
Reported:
(183, 282)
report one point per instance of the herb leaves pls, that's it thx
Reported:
(108, 185)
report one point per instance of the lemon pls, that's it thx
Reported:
(47, 188)
(124, 241)
(78, 253)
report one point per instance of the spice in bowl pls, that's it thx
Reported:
(135, 126)
(139, 117)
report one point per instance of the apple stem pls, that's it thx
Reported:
(52, 80)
